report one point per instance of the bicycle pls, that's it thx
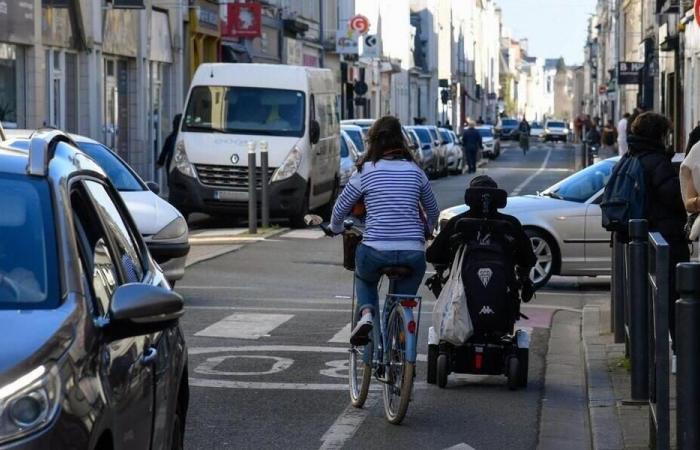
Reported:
(392, 361)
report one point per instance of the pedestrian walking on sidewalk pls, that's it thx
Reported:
(471, 144)
(166, 154)
(622, 134)
(665, 210)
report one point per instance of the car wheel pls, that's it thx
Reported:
(546, 253)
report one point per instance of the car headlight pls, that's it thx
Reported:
(289, 167)
(29, 403)
(181, 162)
(175, 229)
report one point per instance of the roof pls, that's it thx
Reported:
(551, 63)
(26, 133)
(273, 76)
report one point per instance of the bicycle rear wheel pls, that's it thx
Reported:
(399, 372)
(360, 374)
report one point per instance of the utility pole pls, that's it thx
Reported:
(321, 32)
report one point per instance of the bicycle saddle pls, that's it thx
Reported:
(396, 272)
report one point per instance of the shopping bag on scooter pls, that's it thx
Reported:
(451, 317)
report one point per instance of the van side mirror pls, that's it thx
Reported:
(314, 131)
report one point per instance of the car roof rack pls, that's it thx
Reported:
(41, 149)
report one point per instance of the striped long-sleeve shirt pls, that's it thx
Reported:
(393, 192)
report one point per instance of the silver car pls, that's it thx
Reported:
(564, 224)
(348, 157)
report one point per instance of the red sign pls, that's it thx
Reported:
(697, 11)
(243, 20)
(359, 23)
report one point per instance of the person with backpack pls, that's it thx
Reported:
(443, 249)
(644, 185)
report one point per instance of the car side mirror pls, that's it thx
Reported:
(314, 131)
(139, 309)
(153, 187)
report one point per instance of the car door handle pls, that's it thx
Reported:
(150, 356)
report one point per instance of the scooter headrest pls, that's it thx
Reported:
(486, 200)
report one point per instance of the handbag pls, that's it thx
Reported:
(692, 227)
(451, 318)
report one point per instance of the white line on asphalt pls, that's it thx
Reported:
(341, 336)
(347, 424)
(461, 446)
(345, 297)
(278, 348)
(263, 308)
(245, 326)
(527, 181)
(263, 385)
(304, 234)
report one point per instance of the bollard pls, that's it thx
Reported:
(265, 200)
(688, 356)
(252, 190)
(637, 257)
(618, 291)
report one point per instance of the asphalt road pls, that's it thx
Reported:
(266, 328)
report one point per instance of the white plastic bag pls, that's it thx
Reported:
(451, 318)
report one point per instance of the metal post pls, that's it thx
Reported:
(252, 190)
(637, 256)
(687, 351)
(265, 200)
(618, 292)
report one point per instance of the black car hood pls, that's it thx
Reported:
(33, 337)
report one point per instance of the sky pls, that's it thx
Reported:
(554, 27)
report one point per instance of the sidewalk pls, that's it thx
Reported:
(212, 243)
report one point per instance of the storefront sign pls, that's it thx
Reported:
(56, 27)
(370, 46)
(243, 20)
(628, 72)
(121, 33)
(17, 21)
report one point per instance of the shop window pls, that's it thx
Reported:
(9, 88)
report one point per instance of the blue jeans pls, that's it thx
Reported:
(369, 261)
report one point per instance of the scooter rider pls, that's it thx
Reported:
(441, 252)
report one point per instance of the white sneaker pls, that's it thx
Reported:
(360, 334)
(673, 364)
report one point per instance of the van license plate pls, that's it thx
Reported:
(231, 196)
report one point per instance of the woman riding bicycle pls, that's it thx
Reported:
(400, 211)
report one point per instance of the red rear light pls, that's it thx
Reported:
(409, 303)
(478, 361)
(412, 327)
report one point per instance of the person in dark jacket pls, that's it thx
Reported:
(471, 144)
(166, 154)
(664, 204)
(442, 251)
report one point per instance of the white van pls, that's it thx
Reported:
(292, 108)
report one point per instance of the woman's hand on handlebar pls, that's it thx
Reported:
(326, 227)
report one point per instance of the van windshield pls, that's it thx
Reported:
(245, 110)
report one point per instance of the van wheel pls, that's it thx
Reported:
(296, 220)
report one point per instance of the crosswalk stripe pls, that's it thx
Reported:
(245, 326)
(342, 336)
(305, 234)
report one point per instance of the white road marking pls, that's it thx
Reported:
(527, 181)
(304, 234)
(461, 446)
(262, 385)
(347, 424)
(245, 326)
(209, 367)
(278, 348)
(342, 336)
(265, 308)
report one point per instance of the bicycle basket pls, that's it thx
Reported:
(350, 243)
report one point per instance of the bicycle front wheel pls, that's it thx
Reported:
(360, 374)
(399, 371)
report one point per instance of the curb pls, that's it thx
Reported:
(210, 248)
(234, 239)
(606, 431)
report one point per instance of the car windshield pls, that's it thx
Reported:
(485, 132)
(121, 176)
(582, 185)
(433, 133)
(423, 135)
(357, 139)
(445, 135)
(344, 152)
(245, 110)
(28, 254)
(535, 125)
(556, 125)
(509, 122)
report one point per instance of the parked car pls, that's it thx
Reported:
(453, 150)
(490, 142)
(356, 134)
(427, 149)
(440, 150)
(162, 226)
(536, 130)
(348, 157)
(365, 124)
(564, 224)
(507, 129)
(92, 348)
(555, 130)
(413, 144)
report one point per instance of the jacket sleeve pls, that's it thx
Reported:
(427, 199)
(351, 194)
(665, 182)
(524, 255)
(439, 252)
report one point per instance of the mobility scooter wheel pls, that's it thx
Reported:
(432, 363)
(442, 370)
(523, 360)
(513, 372)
